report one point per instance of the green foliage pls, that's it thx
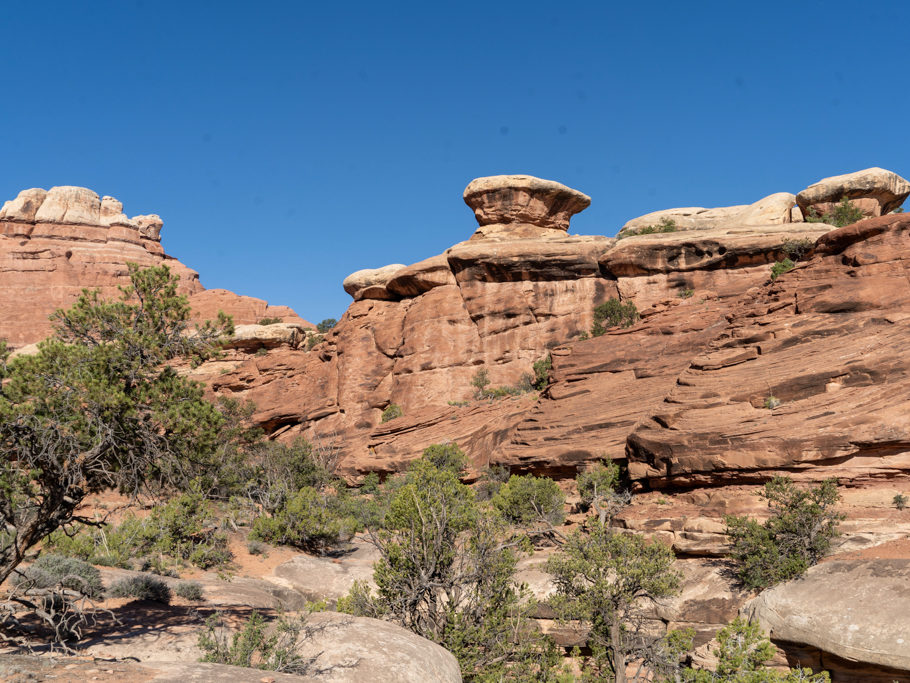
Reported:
(313, 339)
(796, 536)
(56, 571)
(480, 381)
(446, 574)
(606, 579)
(391, 412)
(742, 652)
(528, 501)
(781, 267)
(310, 519)
(254, 547)
(796, 249)
(370, 484)
(542, 372)
(260, 353)
(178, 531)
(611, 313)
(99, 406)
(685, 293)
(598, 488)
(666, 224)
(189, 590)
(269, 321)
(141, 587)
(326, 325)
(899, 501)
(771, 402)
(843, 214)
(256, 645)
(446, 456)
(491, 481)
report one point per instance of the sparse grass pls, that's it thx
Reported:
(685, 293)
(392, 412)
(269, 321)
(781, 267)
(665, 225)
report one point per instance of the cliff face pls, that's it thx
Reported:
(57, 242)
(519, 288)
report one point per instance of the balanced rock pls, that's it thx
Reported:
(522, 205)
(885, 188)
(775, 209)
(370, 283)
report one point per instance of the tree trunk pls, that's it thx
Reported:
(619, 657)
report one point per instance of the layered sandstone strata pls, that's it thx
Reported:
(54, 243)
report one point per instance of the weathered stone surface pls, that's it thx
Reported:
(267, 336)
(850, 610)
(774, 209)
(55, 243)
(325, 578)
(522, 205)
(885, 187)
(419, 278)
(370, 283)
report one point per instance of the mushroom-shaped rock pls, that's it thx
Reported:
(370, 283)
(522, 205)
(886, 188)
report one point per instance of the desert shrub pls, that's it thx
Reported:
(52, 571)
(798, 534)
(843, 214)
(326, 325)
(542, 369)
(611, 313)
(527, 500)
(312, 340)
(446, 456)
(310, 519)
(370, 484)
(254, 547)
(899, 501)
(142, 587)
(665, 225)
(796, 249)
(608, 580)
(480, 381)
(781, 267)
(685, 293)
(256, 645)
(446, 574)
(391, 412)
(771, 402)
(598, 488)
(526, 383)
(742, 653)
(269, 321)
(490, 481)
(189, 590)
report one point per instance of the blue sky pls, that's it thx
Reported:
(287, 144)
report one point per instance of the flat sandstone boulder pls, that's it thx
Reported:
(775, 209)
(370, 283)
(887, 188)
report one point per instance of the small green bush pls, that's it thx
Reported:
(142, 587)
(611, 313)
(326, 325)
(391, 412)
(772, 402)
(189, 590)
(542, 372)
(525, 500)
(52, 571)
(480, 381)
(899, 501)
(490, 481)
(666, 225)
(842, 215)
(446, 456)
(795, 250)
(256, 548)
(799, 533)
(685, 293)
(260, 353)
(596, 482)
(312, 340)
(255, 645)
(781, 267)
(310, 519)
(269, 321)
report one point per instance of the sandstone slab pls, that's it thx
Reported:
(370, 283)
(887, 188)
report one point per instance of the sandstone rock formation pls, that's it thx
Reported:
(522, 205)
(54, 243)
(850, 617)
(774, 209)
(370, 283)
(874, 190)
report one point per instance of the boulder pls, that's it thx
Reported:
(24, 207)
(370, 283)
(252, 337)
(853, 611)
(419, 278)
(886, 188)
(522, 205)
(775, 209)
(71, 206)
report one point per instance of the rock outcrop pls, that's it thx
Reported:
(874, 190)
(54, 243)
(775, 209)
(849, 617)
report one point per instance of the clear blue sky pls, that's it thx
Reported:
(287, 144)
